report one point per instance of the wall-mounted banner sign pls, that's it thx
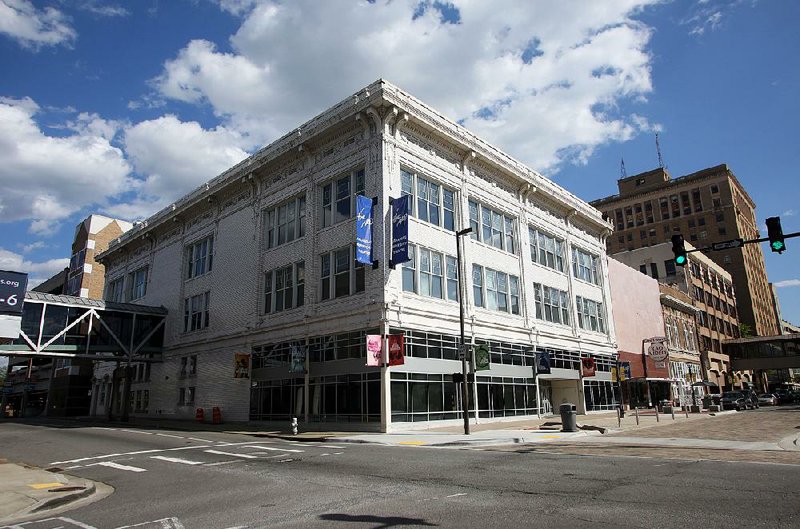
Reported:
(621, 372)
(297, 362)
(588, 367)
(396, 351)
(363, 229)
(374, 350)
(12, 291)
(482, 356)
(241, 362)
(543, 363)
(400, 230)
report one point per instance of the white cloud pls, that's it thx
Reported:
(789, 213)
(48, 178)
(177, 157)
(97, 8)
(788, 283)
(37, 272)
(32, 27)
(291, 60)
(28, 248)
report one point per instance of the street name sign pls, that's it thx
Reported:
(727, 245)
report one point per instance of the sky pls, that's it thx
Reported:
(119, 108)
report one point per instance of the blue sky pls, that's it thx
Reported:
(142, 101)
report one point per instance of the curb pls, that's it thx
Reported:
(790, 443)
(62, 500)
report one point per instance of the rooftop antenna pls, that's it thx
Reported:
(658, 150)
(623, 173)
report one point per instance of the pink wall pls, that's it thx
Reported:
(636, 306)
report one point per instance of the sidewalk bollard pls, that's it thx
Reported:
(294, 425)
(686, 410)
(619, 419)
(672, 411)
(656, 408)
(636, 410)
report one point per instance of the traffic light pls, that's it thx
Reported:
(775, 234)
(679, 250)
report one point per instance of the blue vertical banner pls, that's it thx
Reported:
(543, 363)
(363, 229)
(400, 230)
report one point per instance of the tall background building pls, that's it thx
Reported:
(705, 207)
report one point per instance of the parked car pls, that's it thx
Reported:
(733, 400)
(768, 399)
(784, 396)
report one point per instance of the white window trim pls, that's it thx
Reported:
(270, 293)
(353, 176)
(414, 198)
(299, 212)
(415, 265)
(207, 258)
(353, 270)
(477, 227)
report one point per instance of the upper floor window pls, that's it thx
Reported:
(339, 196)
(584, 266)
(286, 222)
(340, 274)
(284, 288)
(431, 274)
(590, 315)
(491, 227)
(546, 250)
(195, 312)
(116, 290)
(551, 304)
(77, 260)
(429, 201)
(199, 257)
(138, 282)
(74, 285)
(498, 290)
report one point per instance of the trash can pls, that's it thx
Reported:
(569, 417)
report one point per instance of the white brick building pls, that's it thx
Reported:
(260, 260)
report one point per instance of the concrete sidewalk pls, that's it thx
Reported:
(27, 492)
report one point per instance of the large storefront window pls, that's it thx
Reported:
(600, 395)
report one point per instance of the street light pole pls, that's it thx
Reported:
(464, 389)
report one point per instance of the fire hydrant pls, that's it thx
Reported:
(294, 425)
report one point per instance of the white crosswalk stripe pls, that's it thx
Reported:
(177, 460)
(118, 466)
(220, 452)
(274, 449)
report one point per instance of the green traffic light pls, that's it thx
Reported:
(680, 259)
(778, 246)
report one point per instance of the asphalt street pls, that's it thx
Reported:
(210, 480)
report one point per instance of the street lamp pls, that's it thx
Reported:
(464, 391)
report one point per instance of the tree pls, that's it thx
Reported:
(745, 330)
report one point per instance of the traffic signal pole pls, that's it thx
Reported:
(737, 243)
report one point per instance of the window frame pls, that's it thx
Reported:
(536, 236)
(135, 287)
(297, 222)
(356, 184)
(592, 269)
(487, 290)
(196, 317)
(543, 293)
(294, 292)
(356, 274)
(197, 257)
(590, 311)
(500, 227)
(116, 290)
(413, 183)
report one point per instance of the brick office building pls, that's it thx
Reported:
(705, 207)
(260, 261)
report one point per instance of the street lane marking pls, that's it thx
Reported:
(201, 440)
(170, 435)
(136, 453)
(330, 446)
(274, 449)
(119, 466)
(39, 486)
(220, 452)
(412, 443)
(177, 460)
(163, 523)
(136, 431)
(456, 495)
(220, 463)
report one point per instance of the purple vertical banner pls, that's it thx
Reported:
(400, 230)
(363, 229)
